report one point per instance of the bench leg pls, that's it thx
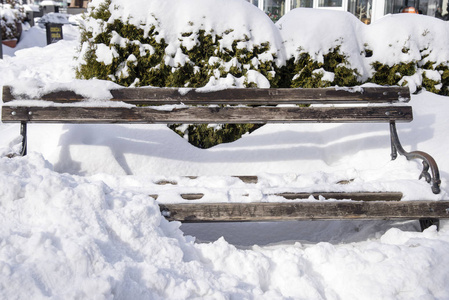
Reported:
(23, 133)
(427, 160)
(394, 151)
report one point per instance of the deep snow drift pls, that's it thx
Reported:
(77, 221)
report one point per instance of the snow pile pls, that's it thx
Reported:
(70, 237)
(77, 221)
(314, 157)
(65, 236)
(55, 18)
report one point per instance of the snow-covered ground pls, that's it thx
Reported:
(77, 222)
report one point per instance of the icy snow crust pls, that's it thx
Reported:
(77, 221)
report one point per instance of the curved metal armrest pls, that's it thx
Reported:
(427, 160)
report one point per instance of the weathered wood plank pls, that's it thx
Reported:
(244, 178)
(158, 96)
(59, 97)
(185, 196)
(284, 211)
(7, 94)
(355, 196)
(207, 114)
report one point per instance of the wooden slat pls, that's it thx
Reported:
(284, 211)
(355, 196)
(7, 94)
(185, 196)
(244, 178)
(206, 114)
(158, 96)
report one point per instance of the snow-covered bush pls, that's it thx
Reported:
(11, 18)
(182, 44)
(120, 51)
(401, 49)
(409, 50)
(203, 43)
(331, 57)
(309, 73)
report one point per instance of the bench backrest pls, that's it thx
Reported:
(221, 106)
(253, 96)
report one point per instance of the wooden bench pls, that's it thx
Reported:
(380, 104)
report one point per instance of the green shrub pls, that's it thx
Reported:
(386, 75)
(135, 54)
(136, 59)
(205, 61)
(309, 73)
(436, 79)
(11, 18)
(206, 136)
(120, 51)
(444, 71)
(129, 65)
(430, 84)
(208, 59)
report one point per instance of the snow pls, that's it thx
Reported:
(55, 18)
(31, 7)
(77, 221)
(174, 21)
(46, 3)
(345, 27)
(392, 39)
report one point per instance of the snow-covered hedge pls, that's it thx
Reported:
(322, 47)
(207, 42)
(325, 48)
(199, 43)
(182, 44)
(11, 18)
